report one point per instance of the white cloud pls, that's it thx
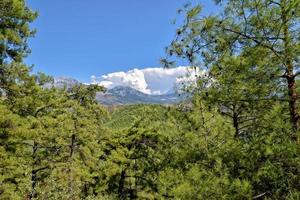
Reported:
(148, 80)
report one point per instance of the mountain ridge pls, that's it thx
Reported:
(120, 95)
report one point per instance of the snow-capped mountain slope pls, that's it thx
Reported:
(119, 95)
(126, 95)
(62, 82)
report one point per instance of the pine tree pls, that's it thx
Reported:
(243, 28)
(14, 30)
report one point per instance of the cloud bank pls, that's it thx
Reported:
(149, 80)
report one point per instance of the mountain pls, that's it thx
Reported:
(120, 95)
(62, 82)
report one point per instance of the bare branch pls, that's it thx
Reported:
(260, 195)
(255, 39)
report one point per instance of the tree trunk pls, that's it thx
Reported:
(33, 171)
(72, 145)
(235, 124)
(121, 184)
(235, 120)
(293, 101)
(290, 76)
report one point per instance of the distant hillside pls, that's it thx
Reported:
(125, 116)
(125, 95)
(62, 82)
(120, 95)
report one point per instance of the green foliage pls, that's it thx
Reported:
(14, 29)
(231, 140)
(125, 117)
(257, 38)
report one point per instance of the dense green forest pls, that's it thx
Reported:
(236, 137)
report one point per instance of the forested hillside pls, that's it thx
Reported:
(237, 137)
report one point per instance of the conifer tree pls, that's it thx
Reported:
(14, 30)
(244, 27)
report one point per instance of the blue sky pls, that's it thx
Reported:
(80, 38)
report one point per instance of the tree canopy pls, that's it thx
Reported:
(236, 135)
